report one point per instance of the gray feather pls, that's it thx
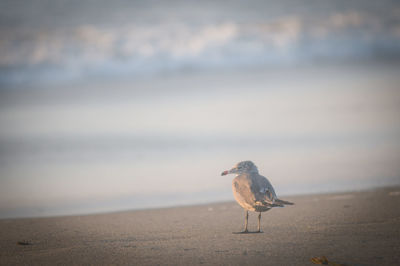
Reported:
(254, 192)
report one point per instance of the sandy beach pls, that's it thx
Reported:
(357, 228)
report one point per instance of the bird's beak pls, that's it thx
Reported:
(225, 172)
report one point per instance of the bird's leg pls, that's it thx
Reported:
(246, 219)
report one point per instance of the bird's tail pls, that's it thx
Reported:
(283, 202)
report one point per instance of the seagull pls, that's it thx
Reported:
(253, 191)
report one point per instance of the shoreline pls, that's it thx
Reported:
(101, 212)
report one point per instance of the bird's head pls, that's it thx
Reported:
(242, 167)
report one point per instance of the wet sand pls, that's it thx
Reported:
(358, 228)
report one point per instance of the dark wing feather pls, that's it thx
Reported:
(263, 190)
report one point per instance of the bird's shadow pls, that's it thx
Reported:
(247, 232)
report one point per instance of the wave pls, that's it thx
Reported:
(133, 48)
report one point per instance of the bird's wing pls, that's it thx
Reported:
(262, 189)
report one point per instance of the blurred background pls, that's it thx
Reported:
(113, 105)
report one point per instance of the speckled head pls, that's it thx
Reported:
(242, 167)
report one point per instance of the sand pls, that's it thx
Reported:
(358, 228)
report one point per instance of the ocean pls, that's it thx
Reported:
(130, 105)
